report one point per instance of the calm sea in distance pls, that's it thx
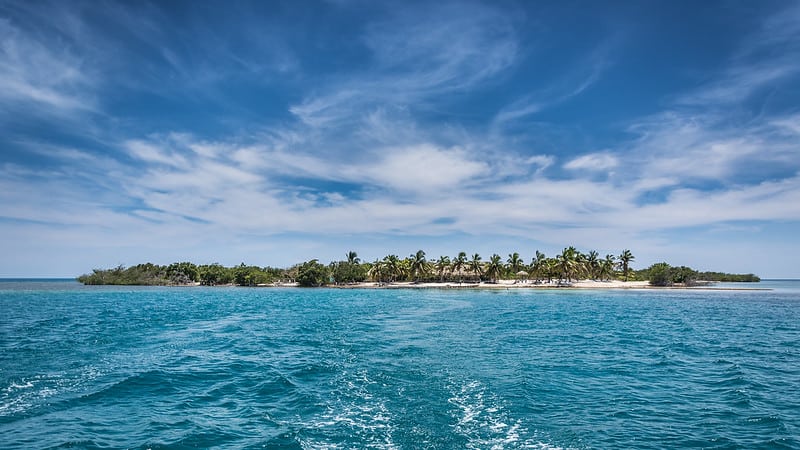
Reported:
(152, 368)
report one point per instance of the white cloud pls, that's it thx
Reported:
(239, 190)
(543, 161)
(757, 66)
(519, 109)
(583, 75)
(45, 74)
(790, 124)
(417, 55)
(740, 83)
(232, 201)
(319, 111)
(767, 201)
(154, 154)
(447, 46)
(424, 169)
(594, 162)
(690, 146)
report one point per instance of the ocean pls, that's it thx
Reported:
(290, 368)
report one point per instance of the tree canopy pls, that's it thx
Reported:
(570, 264)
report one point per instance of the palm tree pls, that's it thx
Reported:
(568, 263)
(593, 264)
(494, 267)
(377, 270)
(625, 259)
(607, 267)
(392, 265)
(476, 266)
(581, 266)
(404, 269)
(442, 264)
(418, 264)
(352, 258)
(458, 265)
(550, 268)
(538, 265)
(514, 263)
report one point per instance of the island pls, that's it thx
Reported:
(569, 269)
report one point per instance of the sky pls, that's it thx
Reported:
(271, 133)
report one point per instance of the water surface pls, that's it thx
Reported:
(128, 367)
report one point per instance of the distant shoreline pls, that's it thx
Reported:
(500, 285)
(416, 271)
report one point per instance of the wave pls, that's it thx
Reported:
(22, 396)
(483, 421)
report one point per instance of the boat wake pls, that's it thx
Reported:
(484, 422)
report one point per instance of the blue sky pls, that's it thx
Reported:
(274, 132)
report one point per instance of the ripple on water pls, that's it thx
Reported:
(484, 422)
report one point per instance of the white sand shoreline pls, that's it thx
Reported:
(515, 284)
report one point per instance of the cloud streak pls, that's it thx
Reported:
(41, 75)
(416, 57)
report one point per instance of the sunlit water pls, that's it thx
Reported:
(110, 367)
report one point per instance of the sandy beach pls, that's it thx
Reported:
(503, 284)
(508, 284)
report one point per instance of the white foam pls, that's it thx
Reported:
(28, 392)
(14, 386)
(482, 419)
(355, 408)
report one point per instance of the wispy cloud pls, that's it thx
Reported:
(521, 108)
(222, 193)
(693, 145)
(433, 170)
(228, 191)
(739, 83)
(595, 162)
(766, 58)
(789, 124)
(418, 55)
(151, 154)
(584, 73)
(41, 74)
(448, 47)
(713, 134)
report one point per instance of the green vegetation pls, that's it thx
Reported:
(662, 274)
(312, 274)
(178, 274)
(625, 259)
(571, 264)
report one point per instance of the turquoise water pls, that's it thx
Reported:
(111, 367)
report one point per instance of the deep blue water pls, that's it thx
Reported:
(111, 367)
